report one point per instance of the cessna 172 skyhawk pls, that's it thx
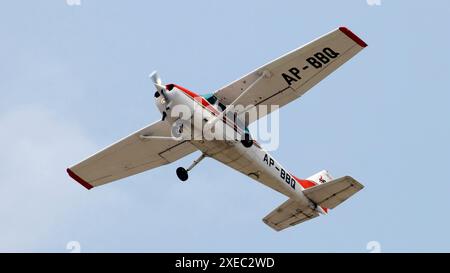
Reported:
(276, 83)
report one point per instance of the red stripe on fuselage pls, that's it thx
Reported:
(207, 105)
(198, 98)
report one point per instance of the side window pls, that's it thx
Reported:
(221, 106)
(212, 99)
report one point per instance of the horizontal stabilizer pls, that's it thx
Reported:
(290, 213)
(333, 193)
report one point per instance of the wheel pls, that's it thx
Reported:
(247, 141)
(157, 94)
(182, 174)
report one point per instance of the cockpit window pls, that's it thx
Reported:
(210, 98)
(213, 100)
(221, 106)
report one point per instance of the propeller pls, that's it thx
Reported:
(160, 88)
(161, 91)
(155, 77)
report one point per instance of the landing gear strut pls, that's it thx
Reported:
(247, 141)
(182, 173)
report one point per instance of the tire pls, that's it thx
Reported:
(182, 174)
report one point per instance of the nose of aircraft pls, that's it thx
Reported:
(162, 94)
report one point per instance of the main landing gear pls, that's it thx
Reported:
(182, 173)
(247, 141)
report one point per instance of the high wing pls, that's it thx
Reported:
(290, 76)
(130, 156)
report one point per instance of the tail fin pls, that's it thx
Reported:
(320, 177)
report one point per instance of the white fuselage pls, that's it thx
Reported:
(253, 161)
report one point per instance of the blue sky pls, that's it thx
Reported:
(73, 79)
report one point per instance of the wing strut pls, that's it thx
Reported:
(263, 75)
(157, 137)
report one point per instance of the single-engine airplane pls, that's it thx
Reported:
(277, 83)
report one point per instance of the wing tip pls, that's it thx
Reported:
(79, 179)
(271, 225)
(353, 36)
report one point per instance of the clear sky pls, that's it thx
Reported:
(73, 79)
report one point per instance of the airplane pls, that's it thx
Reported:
(278, 82)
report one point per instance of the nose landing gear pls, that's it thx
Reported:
(182, 173)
